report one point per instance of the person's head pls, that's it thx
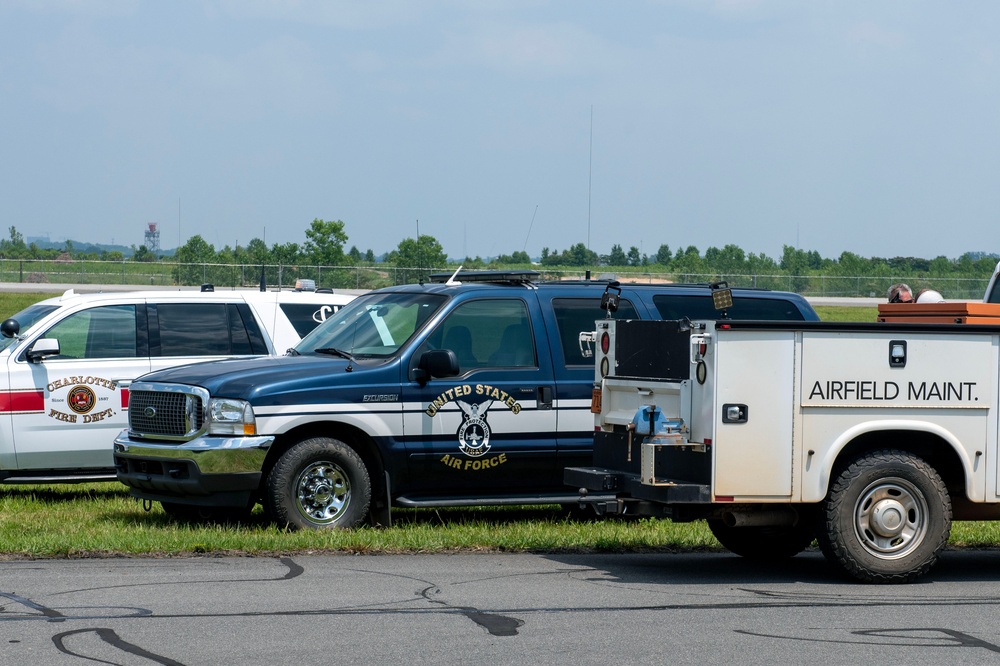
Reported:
(929, 296)
(900, 293)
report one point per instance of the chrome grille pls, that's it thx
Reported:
(162, 413)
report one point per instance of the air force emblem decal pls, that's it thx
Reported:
(474, 431)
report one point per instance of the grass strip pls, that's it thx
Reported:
(102, 520)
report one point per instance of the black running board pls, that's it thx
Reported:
(59, 478)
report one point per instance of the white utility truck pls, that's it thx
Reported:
(870, 438)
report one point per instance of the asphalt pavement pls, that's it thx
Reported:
(699, 608)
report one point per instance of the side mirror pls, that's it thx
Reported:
(435, 363)
(10, 328)
(43, 347)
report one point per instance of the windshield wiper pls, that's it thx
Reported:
(333, 351)
(292, 351)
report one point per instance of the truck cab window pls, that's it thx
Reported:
(491, 333)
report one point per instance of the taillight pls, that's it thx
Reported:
(605, 342)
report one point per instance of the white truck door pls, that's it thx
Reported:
(71, 405)
(753, 452)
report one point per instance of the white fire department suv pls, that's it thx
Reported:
(67, 363)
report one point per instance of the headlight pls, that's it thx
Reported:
(227, 416)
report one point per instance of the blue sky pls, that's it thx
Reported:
(496, 126)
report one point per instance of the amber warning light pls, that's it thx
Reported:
(722, 295)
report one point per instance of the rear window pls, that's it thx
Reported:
(193, 329)
(676, 306)
(204, 329)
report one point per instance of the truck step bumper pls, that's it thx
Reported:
(629, 486)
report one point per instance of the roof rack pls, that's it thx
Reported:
(508, 277)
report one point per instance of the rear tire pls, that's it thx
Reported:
(319, 483)
(763, 543)
(886, 518)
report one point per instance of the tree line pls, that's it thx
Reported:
(325, 242)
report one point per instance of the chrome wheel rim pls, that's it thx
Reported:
(890, 518)
(322, 492)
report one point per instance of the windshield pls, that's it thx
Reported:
(27, 318)
(374, 325)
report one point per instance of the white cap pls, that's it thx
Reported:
(930, 296)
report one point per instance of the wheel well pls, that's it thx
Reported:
(932, 448)
(353, 437)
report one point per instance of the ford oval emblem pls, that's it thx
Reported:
(149, 412)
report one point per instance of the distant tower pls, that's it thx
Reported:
(152, 240)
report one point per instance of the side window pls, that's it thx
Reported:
(103, 332)
(672, 306)
(193, 329)
(488, 334)
(576, 315)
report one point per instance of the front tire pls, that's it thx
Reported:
(886, 518)
(319, 483)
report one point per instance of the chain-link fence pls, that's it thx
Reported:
(164, 273)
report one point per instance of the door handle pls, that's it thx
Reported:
(544, 397)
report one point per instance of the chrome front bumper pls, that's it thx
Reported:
(211, 455)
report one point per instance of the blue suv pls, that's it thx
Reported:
(472, 389)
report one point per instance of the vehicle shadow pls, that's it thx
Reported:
(726, 569)
(55, 494)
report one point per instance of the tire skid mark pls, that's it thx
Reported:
(495, 623)
(294, 571)
(946, 638)
(112, 639)
(45, 611)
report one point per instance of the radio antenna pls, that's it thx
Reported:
(525, 248)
